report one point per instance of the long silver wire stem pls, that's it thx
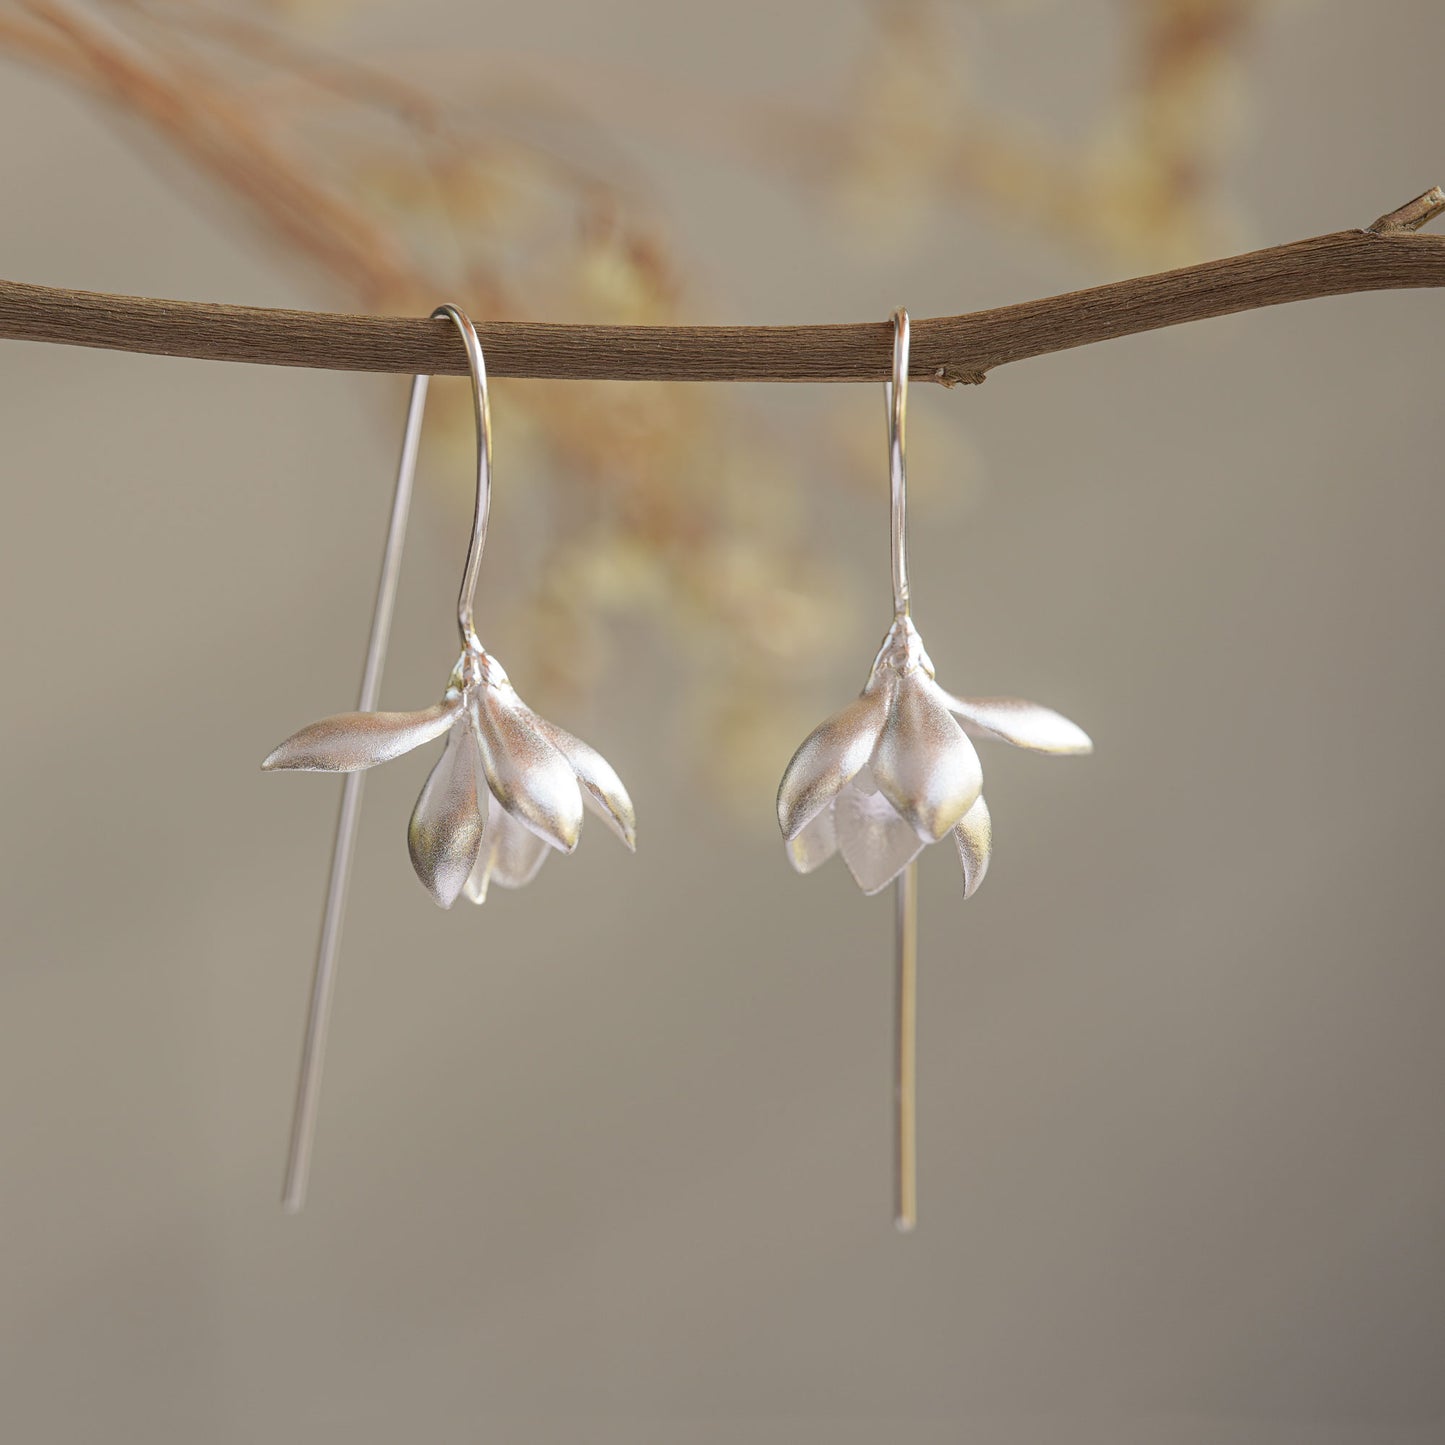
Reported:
(905, 1207)
(323, 982)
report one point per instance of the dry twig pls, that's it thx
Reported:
(1387, 255)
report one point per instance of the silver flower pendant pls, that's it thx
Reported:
(508, 786)
(895, 770)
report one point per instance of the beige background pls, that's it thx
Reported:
(609, 1161)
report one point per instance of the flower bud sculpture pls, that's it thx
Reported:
(508, 786)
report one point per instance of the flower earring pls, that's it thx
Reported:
(895, 771)
(509, 786)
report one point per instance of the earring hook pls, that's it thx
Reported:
(896, 396)
(905, 950)
(483, 506)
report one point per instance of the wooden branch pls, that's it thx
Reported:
(1387, 255)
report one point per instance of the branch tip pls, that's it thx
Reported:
(1412, 215)
(950, 377)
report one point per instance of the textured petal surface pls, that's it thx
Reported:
(829, 757)
(815, 844)
(974, 836)
(924, 765)
(351, 741)
(1024, 724)
(529, 777)
(876, 843)
(445, 832)
(510, 855)
(517, 853)
(480, 877)
(604, 793)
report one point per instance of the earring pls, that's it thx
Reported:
(508, 787)
(895, 771)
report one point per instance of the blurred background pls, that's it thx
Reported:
(609, 1159)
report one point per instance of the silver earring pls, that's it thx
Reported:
(895, 771)
(509, 787)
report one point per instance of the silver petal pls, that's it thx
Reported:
(444, 836)
(974, 836)
(351, 741)
(1024, 724)
(518, 852)
(604, 793)
(815, 844)
(532, 780)
(924, 765)
(830, 755)
(481, 875)
(876, 843)
(510, 856)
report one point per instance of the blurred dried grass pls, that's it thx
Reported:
(663, 503)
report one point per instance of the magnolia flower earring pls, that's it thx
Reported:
(509, 786)
(895, 771)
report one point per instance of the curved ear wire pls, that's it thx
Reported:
(895, 394)
(323, 979)
(483, 507)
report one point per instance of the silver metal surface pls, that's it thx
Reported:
(974, 836)
(353, 741)
(1024, 724)
(602, 790)
(482, 507)
(830, 757)
(527, 775)
(896, 394)
(444, 836)
(875, 841)
(905, 1171)
(924, 763)
(511, 854)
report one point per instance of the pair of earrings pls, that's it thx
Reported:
(892, 772)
